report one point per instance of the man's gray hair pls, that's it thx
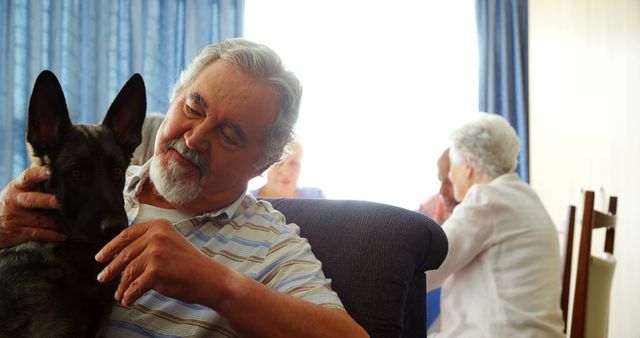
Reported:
(489, 142)
(260, 62)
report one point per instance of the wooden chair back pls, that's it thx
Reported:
(566, 268)
(591, 219)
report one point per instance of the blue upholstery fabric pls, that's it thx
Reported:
(433, 305)
(376, 256)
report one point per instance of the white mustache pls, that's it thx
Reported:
(195, 157)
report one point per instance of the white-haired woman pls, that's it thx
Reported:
(501, 277)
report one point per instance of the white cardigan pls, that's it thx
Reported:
(501, 277)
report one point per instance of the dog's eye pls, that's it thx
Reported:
(117, 172)
(77, 175)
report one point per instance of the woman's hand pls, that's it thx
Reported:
(20, 219)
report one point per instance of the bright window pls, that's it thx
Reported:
(385, 83)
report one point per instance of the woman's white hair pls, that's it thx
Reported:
(489, 142)
(260, 62)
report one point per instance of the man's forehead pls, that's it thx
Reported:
(222, 89)
(222, 79)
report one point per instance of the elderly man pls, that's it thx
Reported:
(440, 205)
(204, 258)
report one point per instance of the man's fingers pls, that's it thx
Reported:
(126, 237)
(121, 260)
(39, 200)
(20, 219)
(11, 237)
(32, 176)
(45, 235)
(131, 273)
(26, 218)
(136, 289)
(44, 221)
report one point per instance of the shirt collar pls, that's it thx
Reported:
(508, 177)
(229, 211)
(139, 174)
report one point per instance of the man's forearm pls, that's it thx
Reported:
(255, 310)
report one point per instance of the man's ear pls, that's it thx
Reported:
(126, 114)
(48, 116)
(469, 170)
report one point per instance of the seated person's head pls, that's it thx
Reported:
(482, 150)
(446, 188)
(231, 113)
(282, 177)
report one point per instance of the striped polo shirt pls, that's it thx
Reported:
(248, 236)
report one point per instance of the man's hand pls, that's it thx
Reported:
(20, 221)
(154, 255)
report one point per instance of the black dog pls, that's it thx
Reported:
(50, 289)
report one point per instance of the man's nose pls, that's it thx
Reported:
(197, 138)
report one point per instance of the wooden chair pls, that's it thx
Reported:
(590, 311)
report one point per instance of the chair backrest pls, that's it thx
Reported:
(375, 255)
(594, 273)
(566, 267)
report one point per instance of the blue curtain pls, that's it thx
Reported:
(504, 78)
(94, 46)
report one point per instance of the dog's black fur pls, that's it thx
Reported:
(50, 289)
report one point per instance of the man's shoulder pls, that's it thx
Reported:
(261, 216)
(256, 230)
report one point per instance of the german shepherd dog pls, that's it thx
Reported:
(50, 289)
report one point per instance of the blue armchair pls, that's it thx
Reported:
(375, 255)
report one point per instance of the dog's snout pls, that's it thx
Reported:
(112, 226)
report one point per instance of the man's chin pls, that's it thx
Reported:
(178, 193)
(175, 184)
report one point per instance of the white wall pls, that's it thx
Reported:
(584, 116)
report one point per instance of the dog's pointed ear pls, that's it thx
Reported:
(48, 116)
(126, 114)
